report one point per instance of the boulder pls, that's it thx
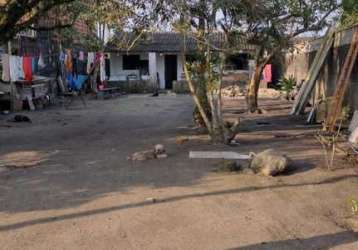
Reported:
(353, 138)
(269, 163)
(354, 123)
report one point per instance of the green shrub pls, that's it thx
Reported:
(287, 85)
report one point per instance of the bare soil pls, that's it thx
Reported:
(82, 193)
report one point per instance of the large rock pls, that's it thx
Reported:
(354, 123)
(354, 137)
(269, 163)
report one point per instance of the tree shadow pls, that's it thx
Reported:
(327, 241)
(76, 215)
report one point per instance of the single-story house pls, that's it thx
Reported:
(157, 57)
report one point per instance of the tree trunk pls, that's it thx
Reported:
(253, 88)
(254, 84)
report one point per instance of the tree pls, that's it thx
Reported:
(350, 12)
(16, 16)
(271, 24)
(199, 21)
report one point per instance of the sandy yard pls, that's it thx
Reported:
(80, 192)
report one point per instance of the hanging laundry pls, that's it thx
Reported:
(41, 62)
(16, 71)
(267, 73)
(90, 61)
(68, 61)
(34, 64)
(62, 57)
(5, 67)
(81, 56)
(27, 67)
(102, 68)
(81, 67)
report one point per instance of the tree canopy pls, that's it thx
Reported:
(16, 16)
(350, 12)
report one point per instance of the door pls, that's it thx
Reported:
(171, 70)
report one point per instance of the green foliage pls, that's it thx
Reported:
(288, 85)
(350, 12)
(353, 204)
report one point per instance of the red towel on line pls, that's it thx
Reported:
(27, 67)
(268, 73)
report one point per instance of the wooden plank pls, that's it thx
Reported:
(309, 84)
(342, 85)
(218, 155)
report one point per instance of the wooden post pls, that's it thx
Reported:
(342, 84)
(12, 85)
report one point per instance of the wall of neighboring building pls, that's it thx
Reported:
(298, 65)
(329, 76)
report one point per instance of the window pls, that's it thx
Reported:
(131, 62)
(237, 62)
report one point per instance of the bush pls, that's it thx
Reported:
(287, 85)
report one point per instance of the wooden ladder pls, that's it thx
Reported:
(335, 109)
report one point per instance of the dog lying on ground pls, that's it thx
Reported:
(157, 153)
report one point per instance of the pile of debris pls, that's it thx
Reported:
(268, 93)
(233, 91)
(236, 91)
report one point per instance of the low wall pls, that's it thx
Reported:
(134, 87)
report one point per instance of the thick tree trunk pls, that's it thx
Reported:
(254, 84)
(253, 88)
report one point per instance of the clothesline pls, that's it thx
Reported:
(23, 67)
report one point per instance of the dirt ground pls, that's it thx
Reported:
(82, 193)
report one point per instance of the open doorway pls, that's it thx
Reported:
(171, 70)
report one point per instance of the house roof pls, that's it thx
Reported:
(160, 42)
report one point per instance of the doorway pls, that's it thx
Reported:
(171, 70)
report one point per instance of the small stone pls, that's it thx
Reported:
(151, 199)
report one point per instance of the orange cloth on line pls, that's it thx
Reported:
(68, 61)
(27, 68)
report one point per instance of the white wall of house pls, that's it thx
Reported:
(156, 64)
(180, 67)
(161, 70)
(117, 72)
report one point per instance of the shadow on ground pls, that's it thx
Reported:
(317, 242)
(92, 148)
(76, 215)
